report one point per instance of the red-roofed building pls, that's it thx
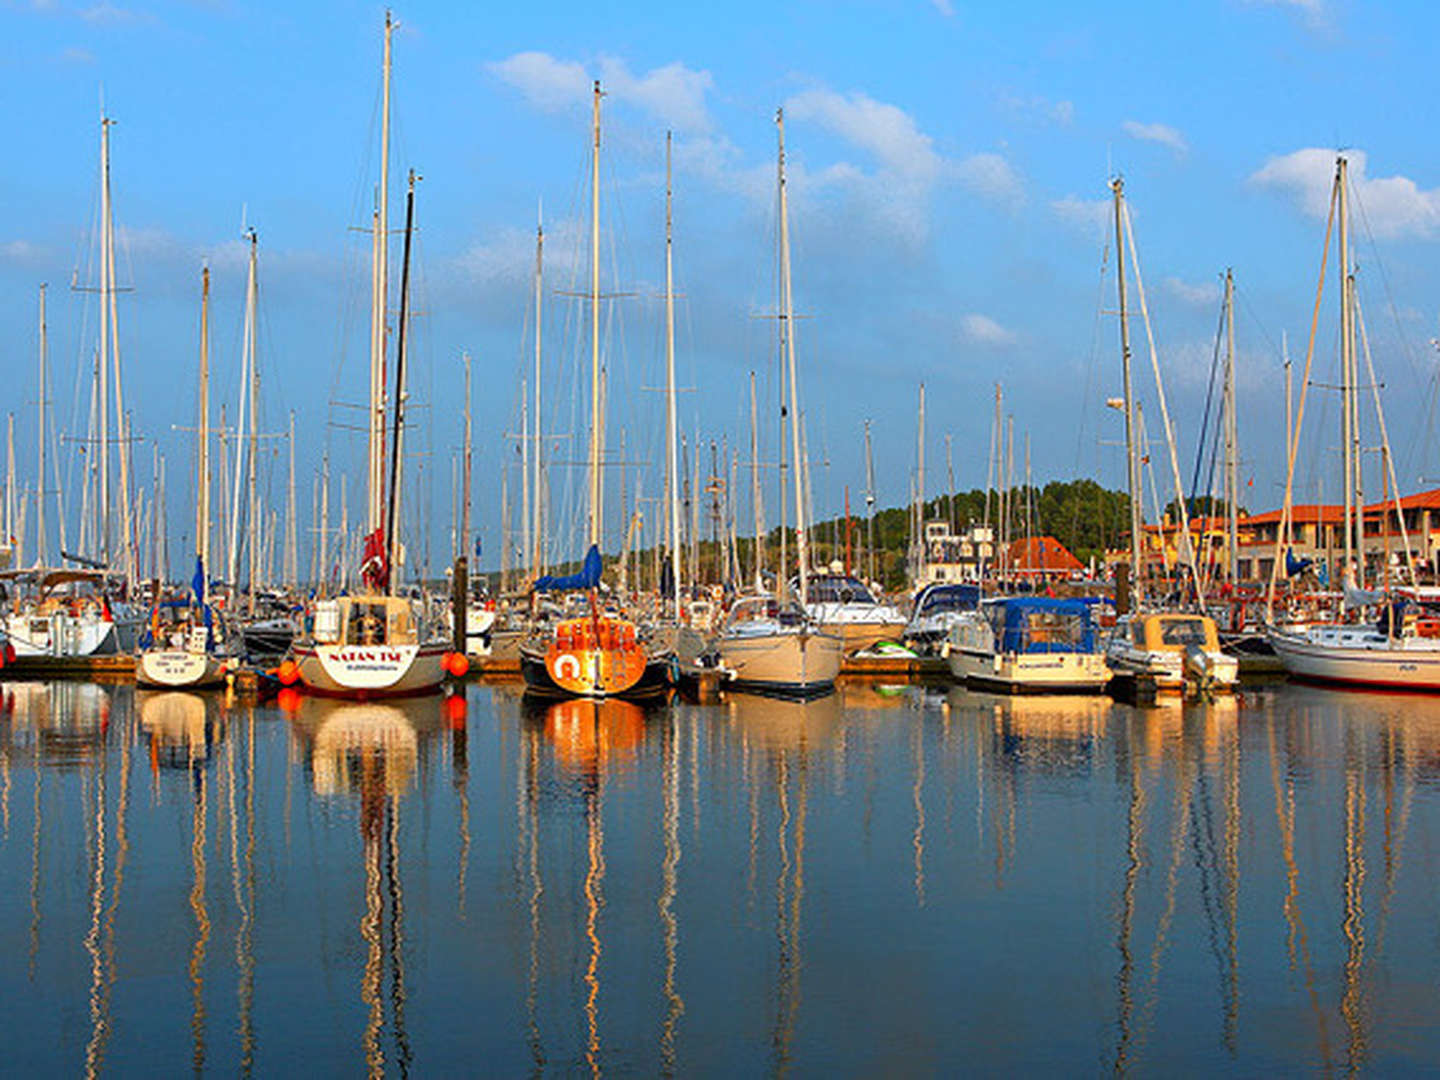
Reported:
(1042, 556)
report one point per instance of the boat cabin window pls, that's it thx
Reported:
(1183, 632)
(839, 590)
(367, 624)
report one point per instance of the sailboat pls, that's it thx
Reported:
(181, 647)
(765, 644)
(75, 614)
(1174, 650)
(376, 643)
(1399, 650)
(599, 653)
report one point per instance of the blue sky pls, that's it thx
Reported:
(948, 161)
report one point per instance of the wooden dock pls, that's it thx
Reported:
(925, 669)
(116, 668)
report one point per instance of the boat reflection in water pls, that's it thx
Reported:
(57, 724)
(183, 729)
(371, 751)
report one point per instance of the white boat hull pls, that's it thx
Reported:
(371, 671)
(1053, 672)
(790, 663)
(1382, 664)
(62, 635)
(170, 669)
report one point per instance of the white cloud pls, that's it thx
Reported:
(992, 176)
(1315, 12)
(944, 7)
(885, 131)
(76, 55)
(1202, 295)
(673, 94)
(983, 330)
(1163, 134)
(20, 250)
(1091, 215)
(907, 165)
(107, 14)
(1391, 206)
(1037, 107)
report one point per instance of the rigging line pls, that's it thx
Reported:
(1090, 369)
(1209, 401)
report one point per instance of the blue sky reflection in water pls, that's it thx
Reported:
(901, 883)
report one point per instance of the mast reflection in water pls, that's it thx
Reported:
(888, 879)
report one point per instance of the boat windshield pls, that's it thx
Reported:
(839, 590)
(1183, 632)
(937, 600)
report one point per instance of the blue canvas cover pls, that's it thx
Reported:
(587, 578)
(1043, 624)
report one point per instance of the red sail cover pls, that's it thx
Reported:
(374, 566)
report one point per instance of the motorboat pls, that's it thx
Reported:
(1029, 644)
(1179, 651)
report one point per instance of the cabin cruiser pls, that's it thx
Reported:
(1029, 644)
(1179, 650)
(844, 605)
(938, 607)
(774, 647)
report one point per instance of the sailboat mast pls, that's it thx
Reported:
(595, 403)
(465, 472)
(292, 552)
(103, 361)
(787, 313)
(1232, 427)
(202, 477)
(253, 515)
(392, 540)
(380, 285)
(247, 358)
(672, 452)
(41, 551)
(536, 555)
(1347, 368)
(869, 504)
(1132, 456)
(755, 489)
(918, 541)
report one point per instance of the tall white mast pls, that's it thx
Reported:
(595, 405)
(41, 550)
(1350, 419)
(103, 361)
(202, 478)
(253, 515)
(1232, 428)
(919, 540)
(247, 360)
(10, 534)
(672, 451)
(380, 285)
(1132, 455)
(788, 314)
(465, 471)
(755, 490)
(292, 552)
(537, 552)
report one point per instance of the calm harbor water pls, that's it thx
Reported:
(888, 881)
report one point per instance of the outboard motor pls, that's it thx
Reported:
(1199, 667)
